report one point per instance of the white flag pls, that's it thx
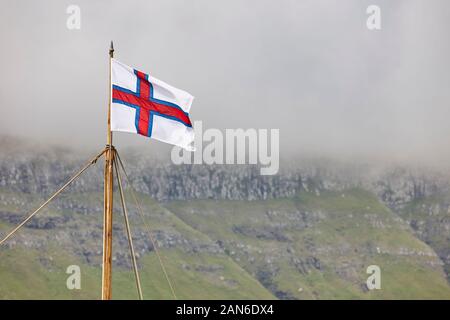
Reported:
(143, 104)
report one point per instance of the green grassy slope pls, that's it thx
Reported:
(319, 246)
(313, 246)
(32, 274)
(429, 217)
(39, 273)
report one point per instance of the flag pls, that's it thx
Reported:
(145, 105)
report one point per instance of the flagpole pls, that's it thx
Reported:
(108, 201)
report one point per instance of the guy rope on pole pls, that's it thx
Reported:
(147, 227)
(147, 103)
(91, 162)
(127, 225)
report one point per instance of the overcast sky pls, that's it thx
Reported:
(310, 68)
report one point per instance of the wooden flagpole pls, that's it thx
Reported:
(108, 201)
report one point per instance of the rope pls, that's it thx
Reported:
(147, 227)
(91, 162)
(130, 240)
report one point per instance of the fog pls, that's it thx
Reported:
(309, 68)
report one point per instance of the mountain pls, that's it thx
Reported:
(225, 232)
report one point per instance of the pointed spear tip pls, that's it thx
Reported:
(111, 49)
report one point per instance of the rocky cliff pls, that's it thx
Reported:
(301, 221)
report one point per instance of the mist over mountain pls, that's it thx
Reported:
(309, 68)
(362, 116)
(317, 224)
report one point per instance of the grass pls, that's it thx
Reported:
(355, 231)
(40, 274)
(345, 231)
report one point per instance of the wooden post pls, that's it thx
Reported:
(108, 201)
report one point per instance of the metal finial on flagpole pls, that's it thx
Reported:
(111, 50)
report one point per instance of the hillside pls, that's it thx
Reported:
(33, 264)
(227, 233)
(319, 246)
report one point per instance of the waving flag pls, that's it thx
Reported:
(143, 104)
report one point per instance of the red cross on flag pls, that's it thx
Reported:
(143, 104)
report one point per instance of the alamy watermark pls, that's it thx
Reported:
(374, 280)
(74, 280)
(374, 19)
(237, 146)
(73, 21)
